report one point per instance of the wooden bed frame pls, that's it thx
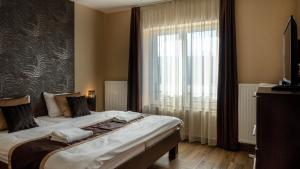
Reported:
(153, 153)
(140, 161)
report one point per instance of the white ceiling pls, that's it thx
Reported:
(109, 6)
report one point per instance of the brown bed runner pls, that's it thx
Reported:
(29, 155)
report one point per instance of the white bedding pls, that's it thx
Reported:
(58, 119)
(39, 122)
(117, 145)
(54, 119)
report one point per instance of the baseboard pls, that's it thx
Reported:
(250, 148)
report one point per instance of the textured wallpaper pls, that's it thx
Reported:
(36, 47)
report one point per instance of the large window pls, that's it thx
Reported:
(175, 51)
(183, 65)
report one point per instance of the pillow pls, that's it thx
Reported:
(52, 107)
(19, 117)
(63, 105)
(11, 102)
(78, 106)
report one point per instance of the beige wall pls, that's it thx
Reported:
(101, 49)
(89, 54)
(260, 24)
(117, 32)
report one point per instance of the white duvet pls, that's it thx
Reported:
(95, 153)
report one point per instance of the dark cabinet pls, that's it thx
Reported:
(278, 129)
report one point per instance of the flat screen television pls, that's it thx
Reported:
(290, 54)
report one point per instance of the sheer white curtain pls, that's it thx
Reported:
(180, 64)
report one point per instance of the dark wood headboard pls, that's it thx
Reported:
(38, 53)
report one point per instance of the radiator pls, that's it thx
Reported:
(116, 95)
(247, 112)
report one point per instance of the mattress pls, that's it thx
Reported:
(48, 124)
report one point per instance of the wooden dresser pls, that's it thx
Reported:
(278, 129)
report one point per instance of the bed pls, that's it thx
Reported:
(136, 145)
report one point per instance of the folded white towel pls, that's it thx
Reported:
(126, 117)
(70, 135)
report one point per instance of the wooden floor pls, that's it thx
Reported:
(197, 156)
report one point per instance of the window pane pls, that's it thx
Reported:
(202, 49)
(170, 57)
(184, 67)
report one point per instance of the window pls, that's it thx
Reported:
(183, 65)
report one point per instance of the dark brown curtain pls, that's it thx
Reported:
(134, 66)
(228, 83)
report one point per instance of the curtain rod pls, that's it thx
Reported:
(153, 3)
